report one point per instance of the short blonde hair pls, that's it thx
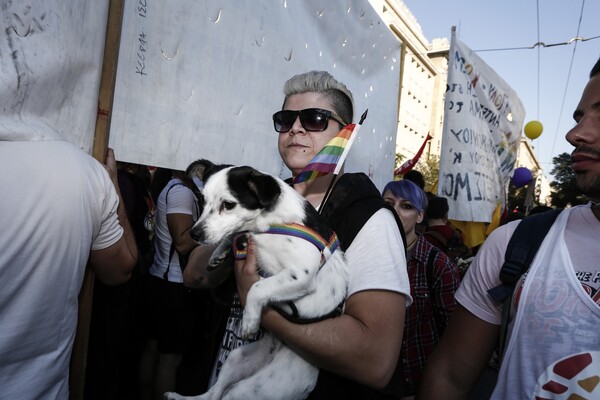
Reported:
(323, 82)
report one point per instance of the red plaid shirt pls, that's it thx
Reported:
(427, 317)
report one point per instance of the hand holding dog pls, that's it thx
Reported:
(246, 275)
(246, 272)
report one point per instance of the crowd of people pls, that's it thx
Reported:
(412, 325)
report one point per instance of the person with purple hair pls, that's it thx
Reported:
(433, 280)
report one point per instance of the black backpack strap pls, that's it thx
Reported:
(171, 252)
(439, 237)
(172, 248)
(521, 249)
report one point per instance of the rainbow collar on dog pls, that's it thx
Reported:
(320, 243)
(302, 232)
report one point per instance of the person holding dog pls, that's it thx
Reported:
(433, 280)
(356, 352)
(553, 345)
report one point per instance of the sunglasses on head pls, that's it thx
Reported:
(312, 119)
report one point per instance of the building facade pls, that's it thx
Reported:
(423, 77)
(423, 73)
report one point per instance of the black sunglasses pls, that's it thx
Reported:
(312, 119)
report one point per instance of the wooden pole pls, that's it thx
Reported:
(100, 146)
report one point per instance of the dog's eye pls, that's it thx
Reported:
(227, 205)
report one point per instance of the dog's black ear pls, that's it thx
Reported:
(199, 168)
(253, 189)
(203, 169)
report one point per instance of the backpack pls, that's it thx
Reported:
(183, 258)
(455, 249)
(521, 249)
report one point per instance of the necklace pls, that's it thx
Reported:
(412, 243)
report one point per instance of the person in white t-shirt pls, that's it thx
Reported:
(165, 304)
(61, 210)
(553, 346)
(357, 351)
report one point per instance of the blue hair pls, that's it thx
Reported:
(408, 191)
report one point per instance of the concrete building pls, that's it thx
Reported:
(528, 160)
(423, 73)
(423, 76)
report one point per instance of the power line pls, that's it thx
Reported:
(542, 44)
(539, 48)
(562, 104)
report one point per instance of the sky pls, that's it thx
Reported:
(549, 80)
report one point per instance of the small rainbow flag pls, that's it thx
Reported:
(326, 161)
(331, 157)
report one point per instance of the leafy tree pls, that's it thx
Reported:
(564, 186)
(430, 169)
(399, 160)
(517, 196)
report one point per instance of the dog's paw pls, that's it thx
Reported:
(222, 256)
(250, 324)
(221, 260)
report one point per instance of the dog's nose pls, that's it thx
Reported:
(195, 233)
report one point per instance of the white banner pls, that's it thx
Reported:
(483, 119)
(201, 79)
(50, 62)
(195, 78)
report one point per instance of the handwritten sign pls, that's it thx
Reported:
(50, 63)
(195, 79)
(483, 119)
(202, 79)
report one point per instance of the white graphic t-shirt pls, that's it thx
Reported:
(554, 343)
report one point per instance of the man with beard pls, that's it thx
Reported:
(553, 343)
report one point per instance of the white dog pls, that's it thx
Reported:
(305, 267)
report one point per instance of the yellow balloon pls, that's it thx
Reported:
(533, 129)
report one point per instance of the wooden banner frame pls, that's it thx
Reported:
(100, 146)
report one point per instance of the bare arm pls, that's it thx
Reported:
(460, 357)
(179, 227)
(114, 264)
(197, 276)
(363, 344)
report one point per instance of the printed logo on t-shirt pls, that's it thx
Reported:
(590, 282)
(232, 338)
(573, 377)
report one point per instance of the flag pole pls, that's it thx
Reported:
(340, 163)
(363, 117)
(78, 362)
